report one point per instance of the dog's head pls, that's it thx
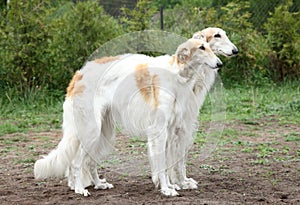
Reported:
(218, 41)
(195, 52)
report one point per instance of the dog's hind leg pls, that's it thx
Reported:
(70, 176)
(107, 140)
(105, 144)
(99, 183)
(77, 166)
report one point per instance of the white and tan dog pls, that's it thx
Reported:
(162, 103)
(176, 158)
(221, 45)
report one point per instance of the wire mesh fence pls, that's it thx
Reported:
(260, 10)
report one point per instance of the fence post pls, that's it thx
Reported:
(161, 11)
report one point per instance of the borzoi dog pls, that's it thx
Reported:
(221, 45)
(176, 158)
(163, 105)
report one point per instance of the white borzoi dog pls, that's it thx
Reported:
(221, 45)
(162, 104)
(176, 157)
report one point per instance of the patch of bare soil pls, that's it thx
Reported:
(234, 173)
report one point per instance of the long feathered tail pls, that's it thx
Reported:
(58, 160)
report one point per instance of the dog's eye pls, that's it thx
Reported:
(217, 35)
(202, 47)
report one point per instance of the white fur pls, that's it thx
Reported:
(107, 88)
(220, 44)
(57, 161)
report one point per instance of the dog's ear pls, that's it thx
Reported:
(199, 35)
(183, 55)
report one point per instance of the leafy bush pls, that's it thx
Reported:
(42, 42)
(139, 18)
(23, 41)
(75, 35)
(283, 35)
(251, 64)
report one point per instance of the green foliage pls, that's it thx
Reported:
(169, 4)
(23, 39)
(186, 20)
(283, 29)
(139, 18)
(251, 64)
(43, 42)
(166, 3)
(75, 35)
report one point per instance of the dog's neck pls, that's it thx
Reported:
(189, 70)
(199, 77)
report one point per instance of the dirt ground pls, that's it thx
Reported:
(234, 174)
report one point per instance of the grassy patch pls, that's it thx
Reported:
(249, 104)
(292, 137)
(37, 112)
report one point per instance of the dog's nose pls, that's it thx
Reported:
(235, 51)
(219, 64)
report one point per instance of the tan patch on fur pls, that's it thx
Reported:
(155, 83)
(106, 59)
(208, 32)
(173, 60)
(147, 84)
(73, 88)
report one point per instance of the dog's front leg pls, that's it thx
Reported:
(157, 156)
(177, 153)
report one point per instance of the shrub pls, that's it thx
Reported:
(139, 18)
(283, 35)
(75, 35)
(251, 64)
(43, 42)
(23, 41)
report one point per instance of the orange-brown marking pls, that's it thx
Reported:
(73, 88)
(155, 88)
(147, 84)
(209, 32)
(173, 60)
(208, 38)
(106, 59)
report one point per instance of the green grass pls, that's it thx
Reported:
(251, 103)
(34, 112)
(293, 136)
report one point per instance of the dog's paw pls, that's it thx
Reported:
(72, 187)
(169, 192)
(83, 192)
(174, 186)
(109, 186)
(104, 185)
(192, 180)
(189, 184)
